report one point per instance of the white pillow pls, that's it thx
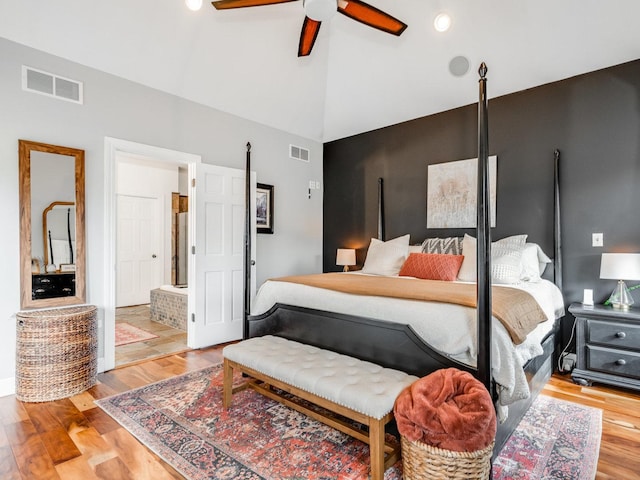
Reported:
(506, 255)
(534, 262)
(467, 272)
(386, 258)
(415, 249)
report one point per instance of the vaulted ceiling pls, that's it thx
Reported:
(357, 79)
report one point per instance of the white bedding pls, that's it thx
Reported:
(455, 336)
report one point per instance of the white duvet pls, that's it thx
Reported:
(449, 328)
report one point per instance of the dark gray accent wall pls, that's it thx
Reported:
(593, 119)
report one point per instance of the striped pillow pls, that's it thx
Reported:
(450, 245)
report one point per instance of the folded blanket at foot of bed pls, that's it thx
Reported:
(448, 409)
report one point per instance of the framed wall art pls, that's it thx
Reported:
(452, 193)
(264, 208)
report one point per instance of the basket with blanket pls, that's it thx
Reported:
(447, 425)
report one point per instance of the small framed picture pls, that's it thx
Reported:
(264, 208)
(67, 267)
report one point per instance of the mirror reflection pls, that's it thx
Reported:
(59, 237)
(52, 225)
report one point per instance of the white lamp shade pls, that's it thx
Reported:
(346, 256)
(620, 266)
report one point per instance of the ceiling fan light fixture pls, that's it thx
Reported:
(194, 5)
(442, 22)
(320, 10)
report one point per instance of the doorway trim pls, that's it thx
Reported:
(112, 148)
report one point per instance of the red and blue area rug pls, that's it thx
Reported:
(181, 419)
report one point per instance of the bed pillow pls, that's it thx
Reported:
(534, 262)
(415, 249)
(432, 266)
(506, 255)
(386, 258)
(451, 245)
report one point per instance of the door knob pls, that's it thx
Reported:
(153, 255)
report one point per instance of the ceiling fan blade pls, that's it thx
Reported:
(225, 4)
(310, 29)
(365, 13)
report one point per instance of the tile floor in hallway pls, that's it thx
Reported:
(169, 340)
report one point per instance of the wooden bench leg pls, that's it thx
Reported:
(227, 384)
(376, 449)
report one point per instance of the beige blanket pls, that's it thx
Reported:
(516, 309)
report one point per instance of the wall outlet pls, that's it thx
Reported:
(597, 239)
(568, 362)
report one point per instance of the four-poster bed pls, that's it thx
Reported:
(397, 345)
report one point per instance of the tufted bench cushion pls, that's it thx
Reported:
(361, 386)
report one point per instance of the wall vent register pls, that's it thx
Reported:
(51, 85)
(299, 153)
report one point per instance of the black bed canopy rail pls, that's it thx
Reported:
(381, 232)
(69, 239)
(247, 243)
(483, 235)
(557, 235)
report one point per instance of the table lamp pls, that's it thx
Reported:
(621, 267)
(346, 257)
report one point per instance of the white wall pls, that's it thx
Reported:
(121, 109)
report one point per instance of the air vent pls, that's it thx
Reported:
(51, 85)
(299, 153)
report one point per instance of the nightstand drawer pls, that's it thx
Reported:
(617, 335)
(617, 362)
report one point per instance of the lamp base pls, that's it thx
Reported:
(620, 298)
(346, 268)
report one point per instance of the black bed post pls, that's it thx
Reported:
(247, 244)
(483, 231)
(381, 233)
(557, 236)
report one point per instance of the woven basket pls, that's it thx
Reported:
(424, 462)
(56, 353)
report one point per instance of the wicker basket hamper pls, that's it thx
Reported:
(425, 462)
(56, 353)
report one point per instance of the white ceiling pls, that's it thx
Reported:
(356, 79)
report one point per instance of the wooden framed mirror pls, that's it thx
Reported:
(52, 231)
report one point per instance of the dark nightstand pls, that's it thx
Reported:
(607, 346)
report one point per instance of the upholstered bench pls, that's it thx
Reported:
(359, 390)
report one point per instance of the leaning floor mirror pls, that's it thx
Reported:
(52, 254)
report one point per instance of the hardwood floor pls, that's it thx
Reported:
(73, 439)
(169, 340)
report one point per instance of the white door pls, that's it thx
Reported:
(139, 251)
(216, 303)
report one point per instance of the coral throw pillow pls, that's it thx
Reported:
(432, 266)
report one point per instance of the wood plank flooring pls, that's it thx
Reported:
(73, 439)
(169, 340)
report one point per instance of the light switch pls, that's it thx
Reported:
(597, 240)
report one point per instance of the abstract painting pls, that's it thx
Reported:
(452, 193)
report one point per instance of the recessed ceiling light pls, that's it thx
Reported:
(442, 22)
(194, 4)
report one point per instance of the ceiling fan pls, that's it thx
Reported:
(317, 11)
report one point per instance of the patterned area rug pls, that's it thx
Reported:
(554, 440)
(181, 419)
(127, 333)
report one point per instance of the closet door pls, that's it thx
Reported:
(140, 254)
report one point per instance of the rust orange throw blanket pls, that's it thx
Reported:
(516, 309)
(448, 409)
